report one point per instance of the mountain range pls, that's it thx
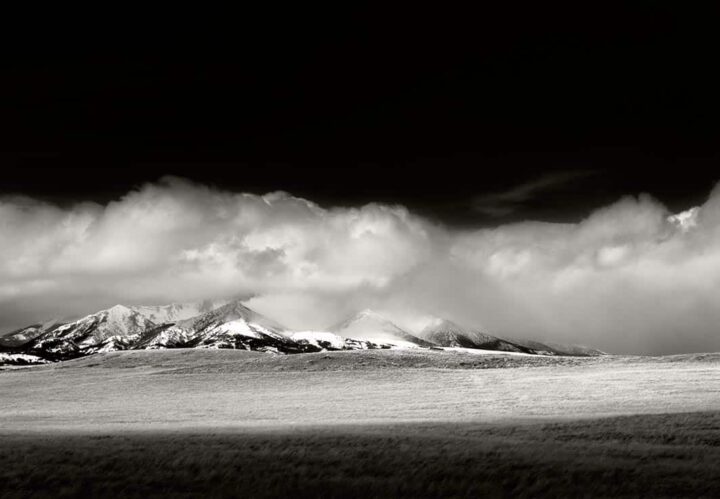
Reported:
(231, 324)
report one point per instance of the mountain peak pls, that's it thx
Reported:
(367, 317)
(119, 308)
(118, 314)
(442, 324)
(235, 308)
(232, 311)
(368, 325)
(369, 313)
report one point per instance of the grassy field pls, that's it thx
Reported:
(651, 456)
(356, 424)
(219, 389)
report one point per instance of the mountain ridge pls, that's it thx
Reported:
(233, 325)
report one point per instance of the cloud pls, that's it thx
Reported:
(501, 204)
(625, 279)
(180, 241)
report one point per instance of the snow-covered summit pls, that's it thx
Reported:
(438, 323)
(369, 325)
(118, 320)
(231, 312)
(232, 325)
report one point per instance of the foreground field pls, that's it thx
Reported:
(200, 389)
(349, 424)
(651, 456)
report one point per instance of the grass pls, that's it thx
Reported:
(358, 424)
(172, 389)
(651, 455)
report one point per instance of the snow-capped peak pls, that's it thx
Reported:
(370, 314)
(119, 309)
(321, 338)
(118, 313)
(231, 312)
(366, 319)
(369, 325)
(437, 323)
(118, 320)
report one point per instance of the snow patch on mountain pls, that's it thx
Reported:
(20, 359)
(320, 338)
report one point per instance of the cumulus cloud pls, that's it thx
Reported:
(625, 279)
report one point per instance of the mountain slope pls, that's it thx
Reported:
(231, 326)
(87, 334)
(449, 334)
(25, 335)
(373, 327)
(551, 348)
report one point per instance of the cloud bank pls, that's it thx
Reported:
(626, 279)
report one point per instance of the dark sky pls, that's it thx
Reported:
(474, 118)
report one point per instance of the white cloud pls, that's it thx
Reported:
(624, 279)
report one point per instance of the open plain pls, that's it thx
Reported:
(379, 423)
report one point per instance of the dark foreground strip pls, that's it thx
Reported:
(659, 455)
